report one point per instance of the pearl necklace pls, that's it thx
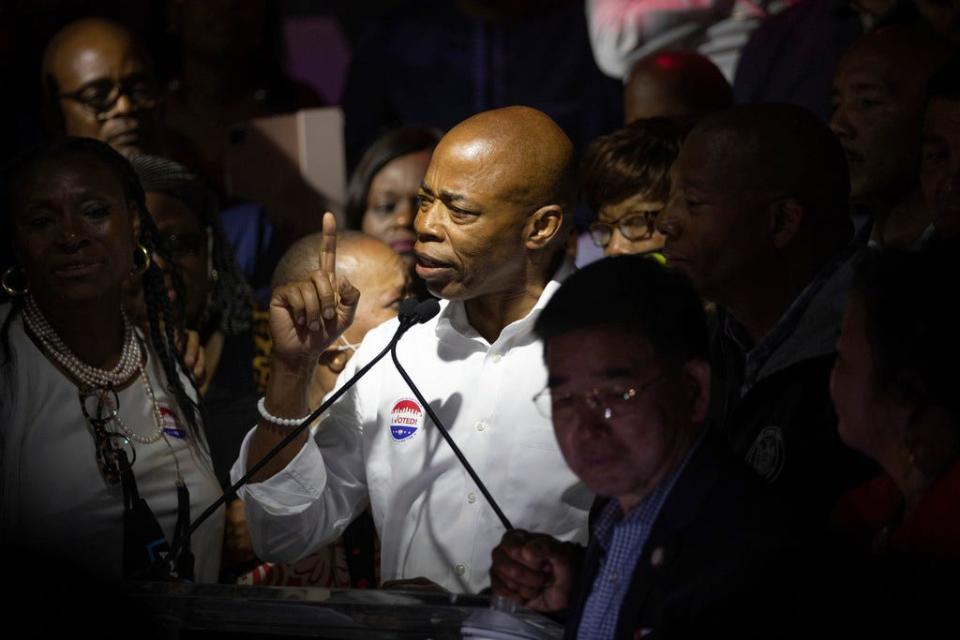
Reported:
(89, 376)
(131, 361)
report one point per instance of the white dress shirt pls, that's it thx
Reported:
(377, 444)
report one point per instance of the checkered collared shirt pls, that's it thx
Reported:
(621, 538)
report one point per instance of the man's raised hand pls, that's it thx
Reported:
(307, 316)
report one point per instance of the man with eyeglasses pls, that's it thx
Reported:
(98, 83)
(626, 180)
(682, 534)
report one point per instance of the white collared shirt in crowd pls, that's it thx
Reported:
(377, 441)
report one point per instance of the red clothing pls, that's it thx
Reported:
(929, 530)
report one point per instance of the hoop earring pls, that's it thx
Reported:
(141, 269)
(11, 291)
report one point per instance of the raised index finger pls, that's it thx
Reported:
(328, 245)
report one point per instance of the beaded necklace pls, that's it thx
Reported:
(92, 378)
(143, 530)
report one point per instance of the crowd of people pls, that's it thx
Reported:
(701, 365)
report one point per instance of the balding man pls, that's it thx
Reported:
(383, 279)
(491, 230)
(757, 217)
(676, 84)
(375, 269)
(98, 83)
(878, 98)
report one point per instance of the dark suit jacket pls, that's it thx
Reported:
(714, 563)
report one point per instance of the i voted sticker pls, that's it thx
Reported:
(171, 423)
(406, 417)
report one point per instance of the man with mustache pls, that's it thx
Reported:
(757, 217)
(492, 226)
(878, 100)
(98, 83)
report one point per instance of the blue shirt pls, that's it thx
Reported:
(621, 539)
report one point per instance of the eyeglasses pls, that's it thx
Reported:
(608, 402)
(101, 96)
(633, 226)
(101, 406)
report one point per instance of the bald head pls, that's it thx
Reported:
(908, 52)
(495, 206)
(675, 84)
(371, 266)
(524, 151)
(777, 149)
(82, 65)
(354, 249)
(375, 269)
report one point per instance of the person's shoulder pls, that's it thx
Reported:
(733, 498)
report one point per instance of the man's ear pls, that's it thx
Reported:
(786, 216)
(543, 226)
(333, 360)
(696, 381)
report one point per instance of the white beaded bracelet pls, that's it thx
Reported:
(272, 419)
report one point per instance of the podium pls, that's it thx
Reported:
(194, 612)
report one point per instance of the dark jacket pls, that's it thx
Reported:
(785, 426)
(715, 559)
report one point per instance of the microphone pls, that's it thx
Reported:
(424, 311)
(410, 313)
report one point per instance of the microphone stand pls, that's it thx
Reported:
(426, 310)
(408, 318)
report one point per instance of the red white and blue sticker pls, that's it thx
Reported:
(406, 418)
(171, 423)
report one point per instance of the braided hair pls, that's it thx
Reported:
(229, 305)
(164, 319)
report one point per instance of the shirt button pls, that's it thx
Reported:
(471, 497)
(481, 426)
(496, 357)
(460, 569)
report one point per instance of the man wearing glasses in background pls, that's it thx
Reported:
(683, 536)
(98, 83)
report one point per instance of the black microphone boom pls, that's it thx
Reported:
(409, 315)
(424, 311)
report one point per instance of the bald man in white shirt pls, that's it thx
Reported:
(495, 208)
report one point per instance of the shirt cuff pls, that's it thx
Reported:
(290, 490)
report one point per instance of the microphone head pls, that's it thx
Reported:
(408, 310)
(427, 309)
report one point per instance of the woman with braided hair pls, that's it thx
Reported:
(103, 459)
(217, 304)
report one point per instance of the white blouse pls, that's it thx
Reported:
(52, 494)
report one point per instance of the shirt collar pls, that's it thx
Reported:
(452, 322)
(756, 355)
(644, 515)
